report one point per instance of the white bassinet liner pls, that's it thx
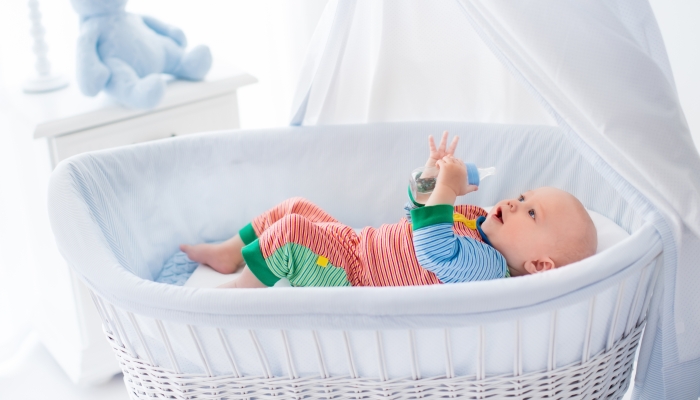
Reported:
(119, 214)
(129, 209)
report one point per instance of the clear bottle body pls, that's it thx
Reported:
(423, 179)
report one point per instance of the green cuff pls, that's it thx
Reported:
(247, 234)
(432, 215)
(256, 262)
(410, 196)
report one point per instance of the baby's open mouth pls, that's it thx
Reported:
(498, 215)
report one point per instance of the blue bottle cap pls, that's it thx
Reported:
(472, 174)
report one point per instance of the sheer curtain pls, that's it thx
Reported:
(383, 61)
(267, 39)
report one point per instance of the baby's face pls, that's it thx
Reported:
(525, 229)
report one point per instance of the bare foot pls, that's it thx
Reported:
(223, 257)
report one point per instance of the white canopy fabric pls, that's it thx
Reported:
(598, 69)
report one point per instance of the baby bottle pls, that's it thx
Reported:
(423, 179)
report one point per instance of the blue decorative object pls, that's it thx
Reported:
(124, 54)
(177, 269)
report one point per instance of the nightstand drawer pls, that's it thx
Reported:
(205, 115)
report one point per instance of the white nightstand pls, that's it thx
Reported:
(74, 124)
(71, 123)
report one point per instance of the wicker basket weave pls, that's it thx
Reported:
(605, 375)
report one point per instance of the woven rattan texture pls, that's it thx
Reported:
(605, 375)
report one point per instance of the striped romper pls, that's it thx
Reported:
(434, 244)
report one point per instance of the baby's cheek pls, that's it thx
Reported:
(522, 236)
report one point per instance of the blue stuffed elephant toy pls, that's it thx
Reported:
(124, 54)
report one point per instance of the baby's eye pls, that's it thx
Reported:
(521, 198)
(532, 213)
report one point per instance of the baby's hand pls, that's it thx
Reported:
(451, 182)
(441, 151)
(453, 175)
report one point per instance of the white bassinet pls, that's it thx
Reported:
(570, 333)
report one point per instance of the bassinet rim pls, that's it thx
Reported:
(341, 319)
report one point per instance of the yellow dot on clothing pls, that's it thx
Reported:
(470, 223)
(322, 261)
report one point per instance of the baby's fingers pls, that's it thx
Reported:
(443, 142)
(431, 144)
(453, 146)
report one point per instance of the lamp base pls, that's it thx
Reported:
(42, 84)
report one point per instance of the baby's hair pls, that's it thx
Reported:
(576, 244)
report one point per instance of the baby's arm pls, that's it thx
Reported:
(450, 257)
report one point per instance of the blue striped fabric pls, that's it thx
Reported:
(455, 258)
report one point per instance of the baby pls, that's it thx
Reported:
(437, 242)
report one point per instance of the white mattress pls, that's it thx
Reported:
(609, 234)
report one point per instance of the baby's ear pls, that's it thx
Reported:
(541, 265)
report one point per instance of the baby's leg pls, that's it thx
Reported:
(245, 280)
(306, 253)
(223, 257)
(226, 257)
(294, 205)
